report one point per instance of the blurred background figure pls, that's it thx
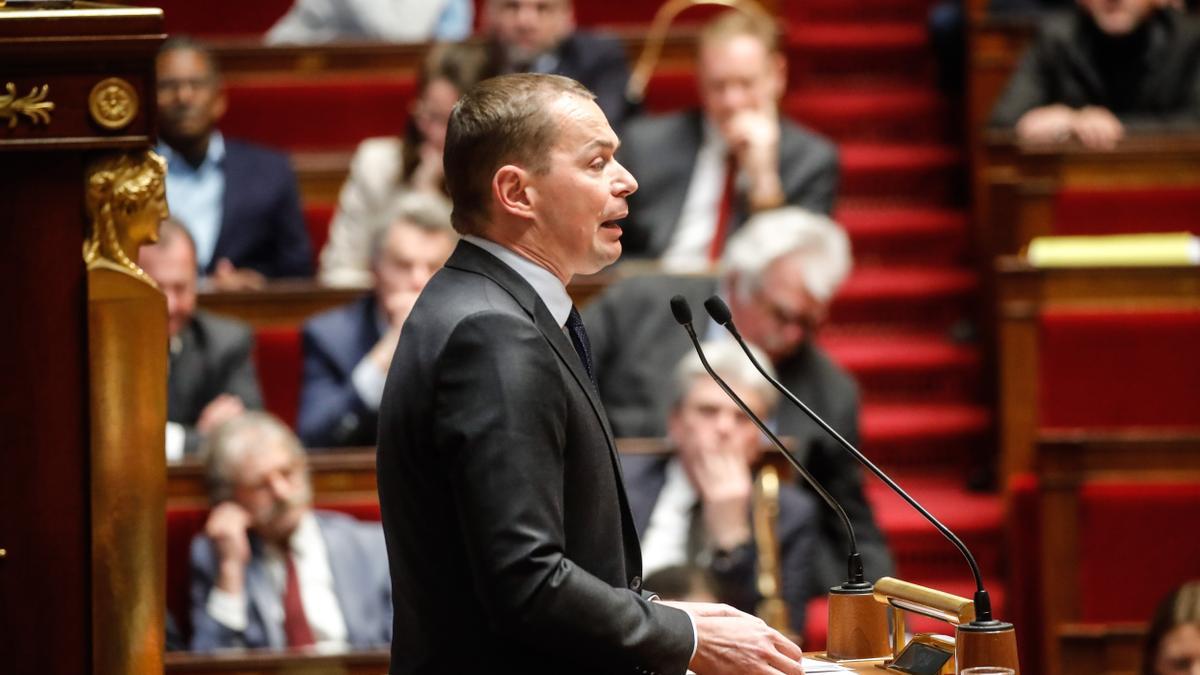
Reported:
(318, 21)
(693, 510)
(269, 570)
(239, 201)
(211, 375)
(1173, 639)
(779, 274)
(1106, 66)
(703, 172)
(385, 168)
(539, 36)
(347, 351)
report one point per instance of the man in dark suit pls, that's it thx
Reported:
(780, 273)
(497, 470)
(693, 509)
(539, 36)
(269, 570)
(347, 350)
(1101, 68)
(239, 200)
(704, 171)
(211, 365)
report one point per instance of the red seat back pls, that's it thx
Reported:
(278, 357)
(218, 17)
(1123, 211)
(316, 219)
(1108, 369)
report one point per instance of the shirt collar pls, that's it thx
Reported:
(305, 539)
(552, 291)
(214, 155)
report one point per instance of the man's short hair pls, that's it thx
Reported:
(504, 120)
(428, 212)
(171, 231)
(770, 235)
(736, 23)
(731, 363)
(188, 43)
(226, 446)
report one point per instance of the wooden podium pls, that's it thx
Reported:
(83, 352)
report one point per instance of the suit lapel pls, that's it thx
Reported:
(228, 230)
(349, 593)
(263, 597)
(681, 163)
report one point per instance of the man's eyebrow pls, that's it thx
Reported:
(600, 142)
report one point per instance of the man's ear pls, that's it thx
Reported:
(510, 189)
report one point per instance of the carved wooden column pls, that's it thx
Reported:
(82, 351)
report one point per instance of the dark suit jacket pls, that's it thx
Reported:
(1152, 78)
(636, 345)
(509, 534)
(598, 62)
(262, 225)
(795, 529)
(216, 356)
(360, 581)
(661, 153)
(331, 413)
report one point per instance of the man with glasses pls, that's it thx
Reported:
(239, 201)
(779, 274)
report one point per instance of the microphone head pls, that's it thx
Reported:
(681, 309)
(718, 310)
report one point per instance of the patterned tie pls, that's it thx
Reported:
(579, 340)
(295, 624)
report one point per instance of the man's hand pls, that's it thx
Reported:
(730, 641)
(226, 277)
(219, 410)
(722, 476)
(397, 307)
(226, 527)
(428, 175)
(1047, 124)
(753, 136)
(1097, 128)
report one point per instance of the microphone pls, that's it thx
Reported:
(720, 313)
(854, 567)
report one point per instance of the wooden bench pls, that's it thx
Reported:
(1105, 649)
(281, 662)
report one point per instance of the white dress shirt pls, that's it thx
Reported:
(688, 249)
(665, 542)
(317, 593)
(548, 287)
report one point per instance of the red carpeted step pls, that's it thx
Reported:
(873, 113)
(906, 366)
(823, 53)
(905, 173)
(923, 434)
(924, 297)
(905, 235)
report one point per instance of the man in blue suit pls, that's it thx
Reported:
(268, 570)
(239, 201)
(347, 350)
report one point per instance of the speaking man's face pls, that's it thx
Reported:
(578, 200)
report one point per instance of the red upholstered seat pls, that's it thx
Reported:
(1109, 211)
(305, 112)
(278, 357)
(183, 524)
(224, 18)
(1110, 369)
(316, 219)
(1137, 542)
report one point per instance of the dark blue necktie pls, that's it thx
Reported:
(579, 340)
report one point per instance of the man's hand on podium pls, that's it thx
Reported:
(734, 642)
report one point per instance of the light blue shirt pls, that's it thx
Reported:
(552, 291)
(196, 196)
(456, 21)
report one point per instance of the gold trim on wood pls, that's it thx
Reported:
(113, 103)
(33, 105)
(126, 200)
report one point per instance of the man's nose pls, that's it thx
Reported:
(624, 183)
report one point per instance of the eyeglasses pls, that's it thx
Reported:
(785, 316)
(173, 84)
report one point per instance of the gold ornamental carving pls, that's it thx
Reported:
(113, 103)
(126, 200)
(34, 105)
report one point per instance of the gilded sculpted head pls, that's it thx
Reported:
(126, 200)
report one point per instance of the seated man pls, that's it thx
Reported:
(702, 172)
(539, 36)
(239, 201)
(268, 570)
(1106, 66)
(780, 273)
(694, 509)
(347, 350)
(211, 365)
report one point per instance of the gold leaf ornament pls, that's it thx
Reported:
(34, 105)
